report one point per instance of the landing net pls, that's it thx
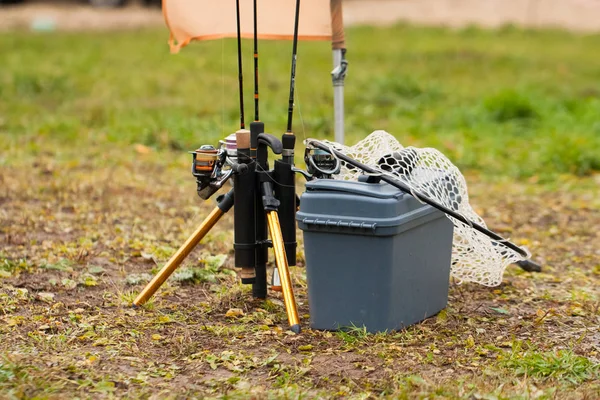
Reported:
(475, 256)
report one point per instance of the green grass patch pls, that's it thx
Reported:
(10, 267)
(506, 102)
(561, 365)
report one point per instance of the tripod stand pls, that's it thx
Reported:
(258, 195)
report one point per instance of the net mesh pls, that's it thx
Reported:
(475, 256)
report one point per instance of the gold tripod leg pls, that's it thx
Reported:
(284, 272)
(179, 256)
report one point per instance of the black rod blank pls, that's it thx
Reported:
(256, 118)
(293, 73)
(240, 74)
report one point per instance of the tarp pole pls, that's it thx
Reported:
(340, 66)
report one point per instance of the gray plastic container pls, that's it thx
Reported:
(375, 256)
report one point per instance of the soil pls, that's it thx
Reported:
(68, 326)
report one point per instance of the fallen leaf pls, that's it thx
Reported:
(499, 310)
(14, 321)
(141, 149)
(470, 342)
(234, 313)
(101, 342)
(134, 279)
(94, 269)
(46, 297)
(88, 280)
(69, 283)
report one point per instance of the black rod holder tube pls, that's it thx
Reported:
(244, 187)
(288, 141)
(285, 192)
(266, 202)
(259, 287)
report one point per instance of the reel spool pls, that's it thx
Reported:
(204, 160)
(229, 144)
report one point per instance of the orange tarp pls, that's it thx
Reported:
(213, 19)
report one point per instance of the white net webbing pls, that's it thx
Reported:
(475, 256)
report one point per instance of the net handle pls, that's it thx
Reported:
(426, 199)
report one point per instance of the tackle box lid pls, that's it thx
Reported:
(330, 204)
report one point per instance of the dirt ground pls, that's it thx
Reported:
(79, 243)
(581, 15)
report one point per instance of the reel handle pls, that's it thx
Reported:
(305, 174)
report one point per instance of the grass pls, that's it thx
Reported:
(505, 102)
(561, 365)
(96, 195)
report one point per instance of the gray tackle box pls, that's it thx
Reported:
(375, 256)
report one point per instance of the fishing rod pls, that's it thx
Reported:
(284, 168)
(256, 127)
(260, 154)
(240, 73)
(256, 109)
(293, 73)
(244, 186)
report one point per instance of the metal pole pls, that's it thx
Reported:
(338, 75)
(338, 44)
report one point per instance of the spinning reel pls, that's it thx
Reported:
(208, 167)
(320, 164)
